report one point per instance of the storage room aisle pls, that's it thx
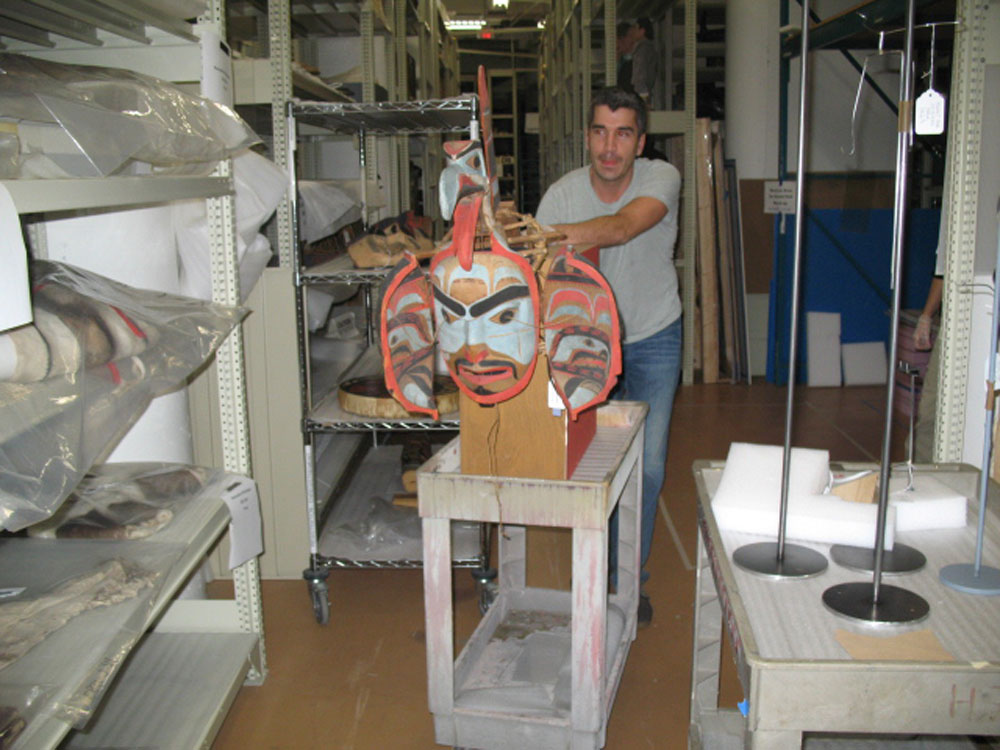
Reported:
(359, 683)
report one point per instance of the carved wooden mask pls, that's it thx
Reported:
(486, 317)
(408, 337)
(582, 332)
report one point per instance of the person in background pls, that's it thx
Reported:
(923, 439)
(623, 53)
(628, 207)
(645, 61)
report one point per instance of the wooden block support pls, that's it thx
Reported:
(522, 437)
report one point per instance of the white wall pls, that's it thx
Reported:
(753, 63)
(831, 92)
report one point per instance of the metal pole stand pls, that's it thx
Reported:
(902, 558)
(976, 578)
(777, 559)
(872, 603)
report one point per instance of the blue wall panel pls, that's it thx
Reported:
(846, 268)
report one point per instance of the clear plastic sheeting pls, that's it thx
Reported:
(325, 208)
(126, 501)
(72, 612)
(259, 186)
(88, 121)
(53, 428)
(383, 527)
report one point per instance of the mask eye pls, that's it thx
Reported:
(504, 316)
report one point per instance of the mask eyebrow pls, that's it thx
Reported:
(507, 293)
(454, 305)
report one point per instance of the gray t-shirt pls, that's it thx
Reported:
(641, 272)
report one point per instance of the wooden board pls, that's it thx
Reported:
(706, 254)
(725, 253)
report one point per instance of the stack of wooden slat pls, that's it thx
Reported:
(721, 345)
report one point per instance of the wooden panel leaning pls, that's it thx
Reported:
(708, 278)
(542, 668)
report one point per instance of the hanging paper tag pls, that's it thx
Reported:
(554, 400)
(929, 113)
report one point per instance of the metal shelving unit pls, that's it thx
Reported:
(140, 38)
(322, 413)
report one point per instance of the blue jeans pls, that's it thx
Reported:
(651, 372)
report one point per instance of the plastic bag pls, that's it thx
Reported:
(125, 501)
(76, 611)
(324, 208)
(54, 429)
(259, 186)
(90, 121)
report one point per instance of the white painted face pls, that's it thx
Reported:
(485, 322)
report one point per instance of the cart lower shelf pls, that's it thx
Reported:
(513, 679)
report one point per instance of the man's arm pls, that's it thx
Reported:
(632, 219)
(922, 335)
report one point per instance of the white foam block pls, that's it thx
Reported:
(749, 498)
(753, 474)
(865, 363)
(823, 348)
(826, 519)
(930, 504)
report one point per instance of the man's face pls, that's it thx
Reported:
(486, 323)
(614, 142)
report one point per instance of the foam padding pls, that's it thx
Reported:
(930, 504)
(749, 498)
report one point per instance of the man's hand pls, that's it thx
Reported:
(922, 335)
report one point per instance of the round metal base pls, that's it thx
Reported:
(856, 601)
(762, 558)
(963, 578)
(902, 558)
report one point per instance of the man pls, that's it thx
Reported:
(623, 52)
(645, 63)
(628, 207)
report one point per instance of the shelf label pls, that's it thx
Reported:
(779, 197)
(246, 539)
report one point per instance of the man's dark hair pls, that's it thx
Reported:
(614, 99)
(646, 25)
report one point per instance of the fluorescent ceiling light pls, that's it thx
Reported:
(464, 24)
(501, 3)
(541, 24)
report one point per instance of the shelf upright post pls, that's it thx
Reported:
(962, 173)
(690, 209)
(402, 155)
(231, 380)
(280, 57)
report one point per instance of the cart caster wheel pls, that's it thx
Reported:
(486, 583)
(321, 603)
(319, 594)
